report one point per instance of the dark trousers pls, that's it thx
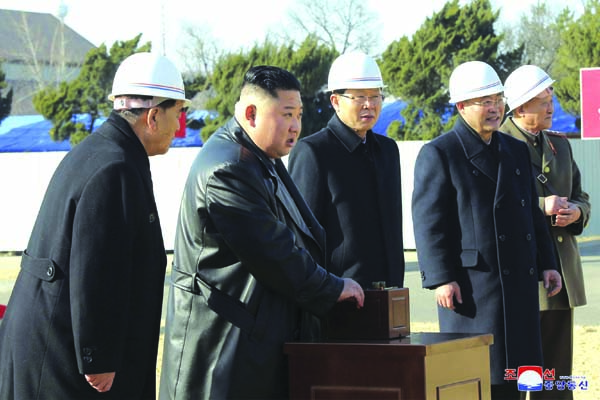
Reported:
(557, 346)
(506, 391)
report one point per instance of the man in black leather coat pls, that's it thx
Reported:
(247, 275)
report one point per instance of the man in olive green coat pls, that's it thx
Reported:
(566, 206)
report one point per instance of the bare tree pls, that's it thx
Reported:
(341, 24)
(539, 31)
(41, 51)
(200, 51)
(45, 59)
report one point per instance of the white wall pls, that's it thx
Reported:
(23, 181)
(25, 176)
(587, 155)
(169, 173)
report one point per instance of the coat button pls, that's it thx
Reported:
(518, 171)
(506, 272)
(88, 359)
(152, 218)
(531, 271)
(422, 275)
(560, 239)
(475, 172)
(522, 202)
(502, 238)
(50, 271)
(87, 351)
(547, 169)
(528, 236)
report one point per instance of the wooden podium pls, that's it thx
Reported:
(385, 315)
(422, 366)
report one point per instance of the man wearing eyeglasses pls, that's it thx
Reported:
(481, 238)
(350, 177)
(566, 207)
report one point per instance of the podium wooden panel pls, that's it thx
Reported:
(422, 366)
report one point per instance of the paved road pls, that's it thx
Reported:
(422, 303)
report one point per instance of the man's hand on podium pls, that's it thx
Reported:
(352, 290)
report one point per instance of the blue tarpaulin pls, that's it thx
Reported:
(30, 133)
(31, 137)
(561, 121)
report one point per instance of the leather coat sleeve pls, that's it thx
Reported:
(242, 205)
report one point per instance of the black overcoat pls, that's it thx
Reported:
(477, 221)
(246, 263)
(354, 190)
(88, 298)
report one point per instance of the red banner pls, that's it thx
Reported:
(590, 103)
(182, 128)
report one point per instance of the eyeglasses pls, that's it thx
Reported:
(363, 99)
(500, 101)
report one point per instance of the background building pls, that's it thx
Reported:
(36, 50)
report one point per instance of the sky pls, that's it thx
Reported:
(233, 24)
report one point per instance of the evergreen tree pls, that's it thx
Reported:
(580, 48)
(394, 130)
(309, 62)
(417, 70)
(86, 94)
(5, 99)
(193, 84)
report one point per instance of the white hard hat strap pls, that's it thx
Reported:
(546, 92)
(127, 103)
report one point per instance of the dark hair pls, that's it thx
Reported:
(271, 79)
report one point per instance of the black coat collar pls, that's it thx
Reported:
(347, 136)
(122, 133)
(236, 133)
(477, 151)
(116, 129)
(291, 199)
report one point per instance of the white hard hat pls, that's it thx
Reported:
(354, 70)
(473, 79)
(148, 74)
(525, 83)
